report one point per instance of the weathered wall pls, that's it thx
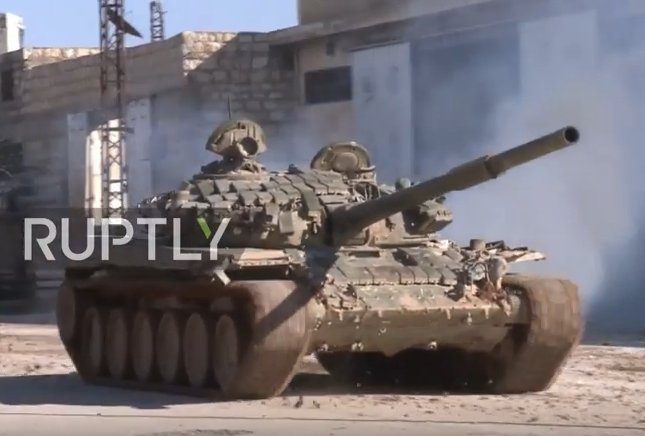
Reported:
(43, 136)
(52, 82)
(72, 85)
(241, 66)
(444, 25)
(44, 140)
(220, 66)
(10, 109)
(337, 121)
(189, 79)
(11, 32)
(326, 122)
(310, 11)
(21, 62)
(38, 56)
(179, 133)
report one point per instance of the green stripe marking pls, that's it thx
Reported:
(203, 225)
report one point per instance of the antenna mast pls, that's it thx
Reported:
(112, 100)
(157, 25)
(113, 28)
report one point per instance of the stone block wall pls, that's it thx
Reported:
(189, 79)
(53, 82)
(244, 68)
(72, 84)
(219, 66)
(38, 56)
(21, 63)
(43, 136)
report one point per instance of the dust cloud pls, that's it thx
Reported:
(183, 130)
(583, 206)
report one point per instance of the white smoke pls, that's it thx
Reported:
(581, 206)
(575, 204)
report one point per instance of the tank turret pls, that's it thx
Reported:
(348, 219)
(335, 203)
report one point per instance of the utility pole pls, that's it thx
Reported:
(157, 25)
(113, 129)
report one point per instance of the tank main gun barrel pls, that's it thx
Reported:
(352, 218)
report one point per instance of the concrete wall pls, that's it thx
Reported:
(72, 84)
(11, 32)
(447, 26)
(258, 80)
(311, 11)
(178, 139)
(337, 121)
(51, 83)
(44, 140)
(243, 67)
(188, 79)
(327, 122)
(10, 109)
(22, 63)
(43, 135)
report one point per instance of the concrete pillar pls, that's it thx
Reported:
(77, 159)
(11, 33)
(138, 153)
(382, 88)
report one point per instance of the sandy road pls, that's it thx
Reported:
(601, 392)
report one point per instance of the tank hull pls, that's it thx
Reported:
(174, 331)
(394, 318)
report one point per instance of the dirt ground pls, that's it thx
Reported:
(601, 392)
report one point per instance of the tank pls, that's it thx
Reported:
(318, 261)
(17, 277)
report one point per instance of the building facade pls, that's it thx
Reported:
(417, 80)
(178, 89)
(413, 80)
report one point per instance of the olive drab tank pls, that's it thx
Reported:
(320, 260)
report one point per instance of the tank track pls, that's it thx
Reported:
(242, 341)
(529, 359)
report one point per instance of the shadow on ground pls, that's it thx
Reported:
(69, 389)
(39, 311)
